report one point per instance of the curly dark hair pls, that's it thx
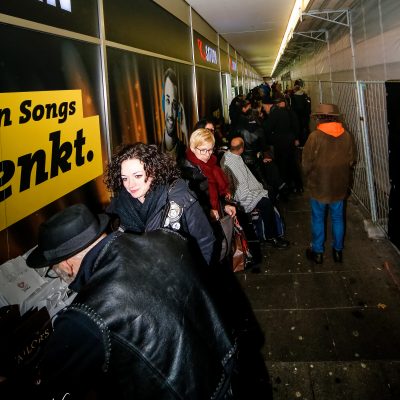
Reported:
(157, 165)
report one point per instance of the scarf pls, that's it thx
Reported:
(134, 214)
(218, 184)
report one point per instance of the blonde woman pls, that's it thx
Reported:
(205, 177)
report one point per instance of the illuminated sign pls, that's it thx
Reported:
(47, 149)
(64, 4)
(233, 64)
(207, 53)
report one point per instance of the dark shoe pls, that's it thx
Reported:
(313, 256)
(278, 243)
(337, 255)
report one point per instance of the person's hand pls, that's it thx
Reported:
(297, 142)
(228, 196)
(230, 210)
(214, 215)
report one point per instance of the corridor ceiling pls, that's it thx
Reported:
(256, 28)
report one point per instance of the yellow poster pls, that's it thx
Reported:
(47, 149)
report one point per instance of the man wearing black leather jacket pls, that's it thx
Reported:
(144, 323)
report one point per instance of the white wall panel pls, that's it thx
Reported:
(376, 37)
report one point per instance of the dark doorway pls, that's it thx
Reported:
(393, 114)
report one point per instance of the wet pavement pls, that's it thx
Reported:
(333, 330)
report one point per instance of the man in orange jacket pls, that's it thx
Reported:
(328, 156)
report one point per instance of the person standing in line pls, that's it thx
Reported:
(300, 103)
(207, 180)
(144, 323)
(282, 131)
(205, 177)
(148, 195)
(265, 88)
(328, 157)
(205, 123)
(214, 127)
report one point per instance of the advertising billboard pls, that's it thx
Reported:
(151, 99)
(52, 135)
(209, 93)
(205, 52)
(73, 15)
(145, 25)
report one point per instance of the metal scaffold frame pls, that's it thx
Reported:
(330, 16)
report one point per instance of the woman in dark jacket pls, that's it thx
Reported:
(149, 195)
(211, 186)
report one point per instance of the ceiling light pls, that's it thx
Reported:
(298, 8)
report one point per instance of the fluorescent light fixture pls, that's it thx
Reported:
(298, 8)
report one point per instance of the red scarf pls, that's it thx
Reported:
(218, 184)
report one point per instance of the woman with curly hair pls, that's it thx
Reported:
(150, 195)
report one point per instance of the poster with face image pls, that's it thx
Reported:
(151, 100)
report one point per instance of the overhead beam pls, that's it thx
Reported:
(330, 16)
(315, 35)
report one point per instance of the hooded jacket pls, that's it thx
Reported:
(328, 156)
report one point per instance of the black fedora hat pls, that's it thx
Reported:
(65, 234)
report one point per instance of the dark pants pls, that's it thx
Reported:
(285, 157)
(266, 210)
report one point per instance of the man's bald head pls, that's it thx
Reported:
(237, 145)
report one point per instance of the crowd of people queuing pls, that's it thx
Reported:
(274, 127)
(158, 313)
(156, 187)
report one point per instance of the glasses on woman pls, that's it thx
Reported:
(205, 151)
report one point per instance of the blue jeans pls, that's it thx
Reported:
(318, 225)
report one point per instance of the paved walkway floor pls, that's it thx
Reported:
(332, 330)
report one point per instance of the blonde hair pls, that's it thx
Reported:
(201, 136)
